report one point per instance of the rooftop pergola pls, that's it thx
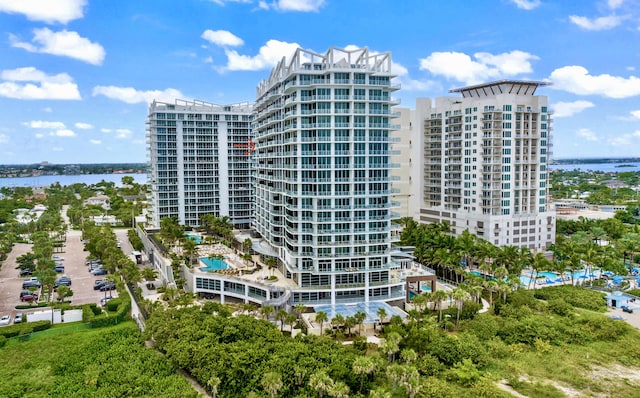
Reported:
(518, 87)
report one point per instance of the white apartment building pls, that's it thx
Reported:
(401, 143)
(199, 155)
(484, 163)
(322, 128)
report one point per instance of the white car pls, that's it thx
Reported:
(17, 318)
(4, 320)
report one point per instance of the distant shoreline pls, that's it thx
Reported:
(71, 174)
(596, 161)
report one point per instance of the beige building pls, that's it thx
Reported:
(482, 163)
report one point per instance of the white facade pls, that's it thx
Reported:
(200, 161)
(322, 128)
(401, 142)
(484, 163)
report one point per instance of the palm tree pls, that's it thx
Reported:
(149, 274)
(272, 382)
(359, 317)
(281, 316)
(321, 382)
(391, 345)
(349, 322)
(465, 244)
(363, 366)
(382, 313)
(338, 320)
(439, 296)
(339, 389)
(213, 383)
(459, 295)
(266, 311)
(271, 263)
(408, 355)
(492, 287)
(299, 309)
(411, 382)
(321, 317)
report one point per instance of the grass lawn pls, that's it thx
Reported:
(81, 362)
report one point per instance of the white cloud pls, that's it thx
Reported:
(299, 5)
(123, 133)
(625, 140)
(587, 135)
(41, 124)
(60, 11)
(635, 114)
(526, 4)
(40, 86)
(268, 56)
(48, 109)
(64, 43)
(577, 80)
(281, 5)
(565, 109)
(39, 135)
(57, 149)
(83, 126)
(460, 66)
(4, 139)
(613, 4)
(107, 131)
(600, 23)
(132, 96)
(95, 142)
(63, 133)
(222, 38)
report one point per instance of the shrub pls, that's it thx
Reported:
(113, 304)
(3, 341)
(575, 295)
(560, 307)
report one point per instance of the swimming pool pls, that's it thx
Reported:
(195, 238)
(213, 264)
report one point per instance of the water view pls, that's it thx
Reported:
(45, 181)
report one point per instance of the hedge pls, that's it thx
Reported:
(104, 319)
(24, 328)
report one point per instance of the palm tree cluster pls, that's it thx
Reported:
(217, 226)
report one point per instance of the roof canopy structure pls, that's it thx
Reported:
(518, 87)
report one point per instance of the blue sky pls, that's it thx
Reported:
(76, 76)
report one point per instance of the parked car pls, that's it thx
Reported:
(29, 297)
(25, 293)
(57, 258)
(26, 272)
(105, 300)
(33, 282)
(63, 280)
(99, 271)
(99, 283)
(5, 320)
(627, 309)
(59, 268)
(17, 318)
(108, 286)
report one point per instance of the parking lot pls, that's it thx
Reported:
(74, 261)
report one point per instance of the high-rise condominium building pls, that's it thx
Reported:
(200, 161)
(322, 128)
(485, 160)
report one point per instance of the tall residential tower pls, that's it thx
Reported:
(200, 161)
(321, 127)
(485, 160)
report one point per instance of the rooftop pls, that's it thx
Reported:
(518, 87)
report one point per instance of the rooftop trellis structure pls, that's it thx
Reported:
(492, 89)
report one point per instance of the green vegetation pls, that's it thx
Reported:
(535, 346)
(108, 362)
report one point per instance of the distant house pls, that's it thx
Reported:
(133, 198)
(614, 184)
(100, 200)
